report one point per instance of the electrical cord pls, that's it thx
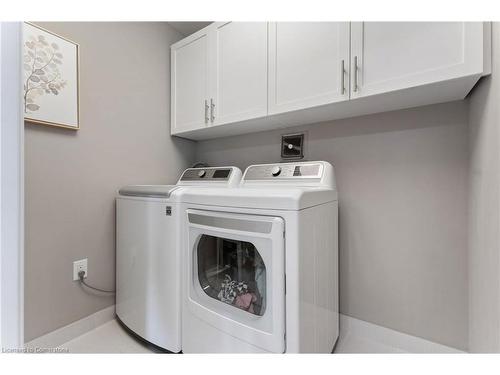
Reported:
(81, 276)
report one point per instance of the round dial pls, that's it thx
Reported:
(202, 173)
(276, 171)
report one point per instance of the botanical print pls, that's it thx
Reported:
(41, 61)
(50, 66)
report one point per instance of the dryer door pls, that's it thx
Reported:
(236, 275)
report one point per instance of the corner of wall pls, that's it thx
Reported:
(484, 209)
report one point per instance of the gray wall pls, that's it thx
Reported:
(72, 176)
(484, 219)
(402, 181)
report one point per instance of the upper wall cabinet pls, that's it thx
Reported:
(219, 76)
(190, 83)
(308, 64)
(240, 71)
(242, 77)
(388, 56)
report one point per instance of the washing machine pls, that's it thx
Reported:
(261, 262)
(148, 265)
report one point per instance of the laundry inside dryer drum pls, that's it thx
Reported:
(232, 272)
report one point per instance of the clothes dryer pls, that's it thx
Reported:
(261, 262)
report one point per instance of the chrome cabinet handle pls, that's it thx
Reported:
(212, 110)
(342, 74)
(206, 111)
(355, 74)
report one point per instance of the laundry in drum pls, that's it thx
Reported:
(233, 272)
(230, 289)
(237, 293)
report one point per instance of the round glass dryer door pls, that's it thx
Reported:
(233, 272)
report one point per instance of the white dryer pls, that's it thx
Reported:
(148, 258)
(261, 262)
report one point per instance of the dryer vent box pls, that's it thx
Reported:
(292, 146)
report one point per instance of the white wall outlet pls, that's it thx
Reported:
(79, 265)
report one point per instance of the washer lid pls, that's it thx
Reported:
(153, 191)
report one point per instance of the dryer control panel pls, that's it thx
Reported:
(319, 173)
(286, 171)
(206, 174)
(229, 176)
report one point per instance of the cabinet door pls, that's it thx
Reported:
(387, 56)
(308, 64)
(189, 94)
(239, 67)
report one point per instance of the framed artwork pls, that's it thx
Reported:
(51, 78)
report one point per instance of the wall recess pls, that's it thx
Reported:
(292, 146)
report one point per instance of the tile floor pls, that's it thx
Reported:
(351, 343)
(108, 338)
(356, 337)
(112, 338)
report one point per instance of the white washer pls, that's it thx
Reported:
(148, 262)
(261, 262)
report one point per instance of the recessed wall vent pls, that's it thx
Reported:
(292, 146)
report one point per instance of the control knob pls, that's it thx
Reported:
(276, 171)
(202, 173)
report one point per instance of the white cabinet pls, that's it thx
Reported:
(241, 77)
(388, 56)
(219, 76)
(308, 64)
(240, 71)
(189, 83)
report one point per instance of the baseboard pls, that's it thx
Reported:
(64, 334)
(358, 336)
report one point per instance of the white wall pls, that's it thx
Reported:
(402, 180)
(11, 147)
(484, 208)
(1, 183)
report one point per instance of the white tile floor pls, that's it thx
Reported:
(108, 338)
(351, 343)
(356, 337)
(112, 338)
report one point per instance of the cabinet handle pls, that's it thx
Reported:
(206, 111)
(212, 110)
(355, 74)
(342, 74)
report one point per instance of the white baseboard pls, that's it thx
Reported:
(358, 336)
(64, 334)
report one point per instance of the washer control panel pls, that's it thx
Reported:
(199, 174)
(285, 171)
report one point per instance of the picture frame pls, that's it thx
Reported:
(51, 82)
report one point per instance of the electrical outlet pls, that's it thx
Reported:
(79, 265)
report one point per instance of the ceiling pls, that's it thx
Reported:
(187, 28)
